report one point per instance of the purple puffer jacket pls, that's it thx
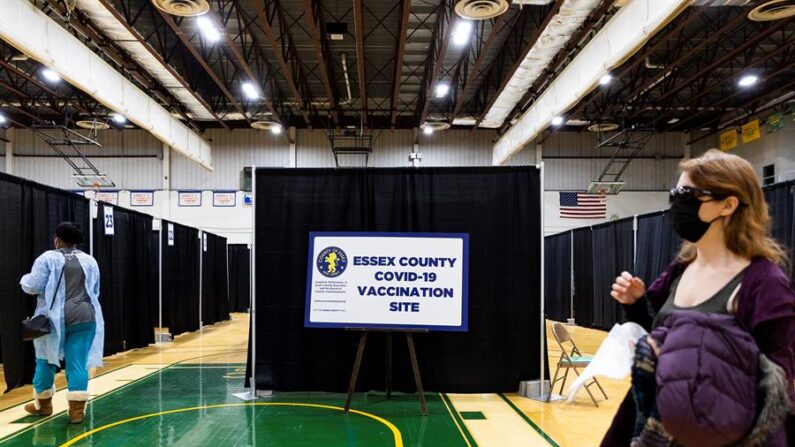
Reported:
(707, 377)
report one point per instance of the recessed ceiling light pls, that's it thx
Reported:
(442, 89)
(673, 120)
(748, 80)
(606, 79)
(557, 121)
(119, 118)
(462, 32)
(250, 90)
(207, 28)
(50, 75)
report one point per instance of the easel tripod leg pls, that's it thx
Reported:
(417, 379)
(355, 375)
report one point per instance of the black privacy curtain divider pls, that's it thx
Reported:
(583, 277)
(613, 251)
(657, 245)
(557, 273)
(30, 213)
(780, 199)
(239, 277)
(498, 207)
(127, 285)
(215, 290)
(180, 278)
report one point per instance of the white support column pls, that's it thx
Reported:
(292, 162)
(10, 151)
(688, 152)
(166, 182)
(539, 153)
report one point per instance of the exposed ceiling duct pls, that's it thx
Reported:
(106, 20)
(32, 32)
(626, 32)
(553, 38)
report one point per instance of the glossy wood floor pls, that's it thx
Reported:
(181, 393)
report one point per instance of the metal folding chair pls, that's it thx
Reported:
(572, 359)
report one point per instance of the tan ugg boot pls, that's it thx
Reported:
(41, 405)
(77, 406)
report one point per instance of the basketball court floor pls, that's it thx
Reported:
(181, 393)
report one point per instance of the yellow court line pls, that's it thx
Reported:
(395, 432)
(455, 421)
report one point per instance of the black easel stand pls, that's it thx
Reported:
(414, 365)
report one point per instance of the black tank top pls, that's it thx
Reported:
(717, 304)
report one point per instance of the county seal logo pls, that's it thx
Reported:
(331, 262)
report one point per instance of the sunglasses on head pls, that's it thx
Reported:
(690, 192)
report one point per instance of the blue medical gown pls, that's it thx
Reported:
(42, 281)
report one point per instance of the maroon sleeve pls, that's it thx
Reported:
(768, 308)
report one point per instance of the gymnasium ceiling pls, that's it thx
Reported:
(685, 78)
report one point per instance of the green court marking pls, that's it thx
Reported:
(472, 415)
(529, 421)
(30, 419)
(460, 422)
(195, 406)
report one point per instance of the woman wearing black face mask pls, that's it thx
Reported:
(728, 265)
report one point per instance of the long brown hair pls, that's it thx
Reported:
(747, 232)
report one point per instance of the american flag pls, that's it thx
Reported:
(578, 205)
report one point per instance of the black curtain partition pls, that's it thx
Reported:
(583, 277)
(239, 277)
(127, 285)
(498, 207)
(31, 212)
(557, 274)
(180, 278)
(657, 245)
(780, 199)
(613, 250)
(215, 291)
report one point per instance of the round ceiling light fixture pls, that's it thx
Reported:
(434, 126)
(481, 9)
(92, 125)
(266, 125)
(183, 8)
(773, 10)
(603, 127)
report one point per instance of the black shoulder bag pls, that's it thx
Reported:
(35, 327)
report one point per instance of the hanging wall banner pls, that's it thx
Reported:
(774, 123)
(751, 131)
(387, 280)
(224, 199)
(171, 234)
(728, 140)
(142, 198)
(108, 219)
(111, 197)
(190, 198)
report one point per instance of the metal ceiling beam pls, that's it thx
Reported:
(507, 77)
(445, 21)
(474, 76)
(405, 11)
(142, 41)
(202, 62)
(264, 20)
(359, 30)
(240, 60)
(311, 15)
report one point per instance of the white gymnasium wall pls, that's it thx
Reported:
(134, 160)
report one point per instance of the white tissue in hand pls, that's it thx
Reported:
(614, 357)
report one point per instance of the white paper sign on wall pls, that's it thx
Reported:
(171, 234)
(156, 224)
(204, 236)
(142, 198)
(108, 220)
(190, 198)
(111, 197)
(227, 199)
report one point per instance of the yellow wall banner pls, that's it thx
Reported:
(751, 131)
(728, 140)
